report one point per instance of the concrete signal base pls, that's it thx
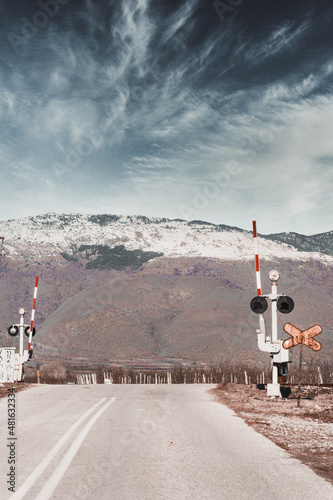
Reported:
(273, 390)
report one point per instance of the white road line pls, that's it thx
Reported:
(49, 487)
(30, 481)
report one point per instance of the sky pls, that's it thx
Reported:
(220, 111)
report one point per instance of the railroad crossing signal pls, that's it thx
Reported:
(302, 337)
(11, 370)
(279, 350)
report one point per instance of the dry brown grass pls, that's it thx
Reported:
(18, 386)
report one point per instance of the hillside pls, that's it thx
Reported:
(316, 243)
(102, 303)
(169, 309)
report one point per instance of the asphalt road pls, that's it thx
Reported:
(142, 442)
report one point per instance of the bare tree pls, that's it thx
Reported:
(53, 373)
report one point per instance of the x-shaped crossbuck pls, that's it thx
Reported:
(302, 337)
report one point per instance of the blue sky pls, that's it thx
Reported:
(211, 110)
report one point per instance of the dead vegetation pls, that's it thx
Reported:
(17, 386)
(306, 432)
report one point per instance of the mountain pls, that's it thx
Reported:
(316, 243)
(143, 290)
(51, 234)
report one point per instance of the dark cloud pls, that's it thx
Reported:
(188, 109)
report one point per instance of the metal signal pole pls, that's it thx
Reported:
(271, 344)
(12, 369)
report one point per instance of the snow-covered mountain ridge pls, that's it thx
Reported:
(49, 234)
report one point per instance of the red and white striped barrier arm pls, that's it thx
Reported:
(255, 238)
(33, 313)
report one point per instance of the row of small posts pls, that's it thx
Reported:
(260, 379)
(200, 378)
(141, 378)
(87, 379)
(316, 379)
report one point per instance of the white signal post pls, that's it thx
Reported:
(13, 370)
(274, 296)
(272, 344)
(21, 312)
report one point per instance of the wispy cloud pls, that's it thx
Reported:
(139, 107)
(282, 38)
(179, 19)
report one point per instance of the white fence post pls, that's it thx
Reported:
(320, 377)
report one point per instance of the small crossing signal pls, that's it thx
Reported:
(13, 331)
(285, 304)
(259, 304)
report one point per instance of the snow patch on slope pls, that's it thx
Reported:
(49, 234)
